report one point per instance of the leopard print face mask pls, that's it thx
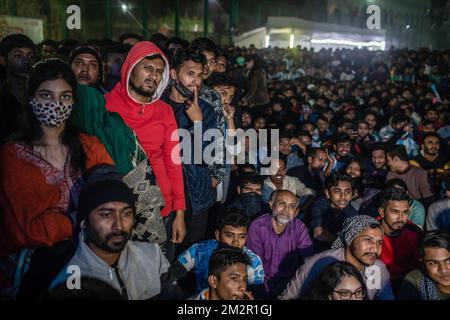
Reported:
(51, 114)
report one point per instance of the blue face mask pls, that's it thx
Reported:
(252, 203)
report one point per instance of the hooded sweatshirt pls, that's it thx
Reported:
(153, 122)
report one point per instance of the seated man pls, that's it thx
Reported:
(280, 181)
(400, 251)
(248, 198)
(359, 244)
(400, 133)
(432, 160)
(231, 231)
(329, 212)
(377, 163)
(290, 151)
(438, 217)
(227, 276)
(312, 174)
(137, 270)
(415, 178)
(432, 281)
(280, 240)
(342, 145)
(416, 209)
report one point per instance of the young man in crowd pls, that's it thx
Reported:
(281, 240)
(137, 270)
(312, 173)
(415, 178)
(137, 100)
(377, 168)
(401, 237)
(47, 48)
(19, 54)
(342, 146)
(400, 133)
(432, 160)
(227, 276)
(208, 48)
(278, 180)
(289, 152)
(192, 113)
(432, 280)
(329, 212)
(86, 63)
(248, 198)
(231, 231)
(359, 243)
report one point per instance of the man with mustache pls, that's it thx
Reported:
(400, 251)
(137, 270)
(359, 243)
(20, 54)
(137, 99)
(281, 240)
(432, 160)
(432, 281)
(86, 63)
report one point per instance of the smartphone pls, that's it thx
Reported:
(184, 91)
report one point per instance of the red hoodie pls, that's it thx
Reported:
(153, 124)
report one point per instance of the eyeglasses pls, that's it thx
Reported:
(347, 294)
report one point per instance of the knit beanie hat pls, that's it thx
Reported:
(101, 192)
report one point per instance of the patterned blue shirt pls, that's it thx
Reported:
(197, 258)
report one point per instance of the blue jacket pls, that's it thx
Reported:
(197, 178)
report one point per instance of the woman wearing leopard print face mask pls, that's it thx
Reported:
(40, 174)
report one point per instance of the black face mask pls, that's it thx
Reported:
(252, 203)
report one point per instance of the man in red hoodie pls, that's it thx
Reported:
(136, 98)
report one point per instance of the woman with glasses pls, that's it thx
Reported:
(339, 281)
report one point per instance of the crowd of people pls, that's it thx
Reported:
(102, 176)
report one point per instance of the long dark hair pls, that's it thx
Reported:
(30, 130)
(330, 278)
(258, 64)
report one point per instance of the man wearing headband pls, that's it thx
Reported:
(137, 270)
(358, 243)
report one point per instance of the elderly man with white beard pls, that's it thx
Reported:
(281, 240)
